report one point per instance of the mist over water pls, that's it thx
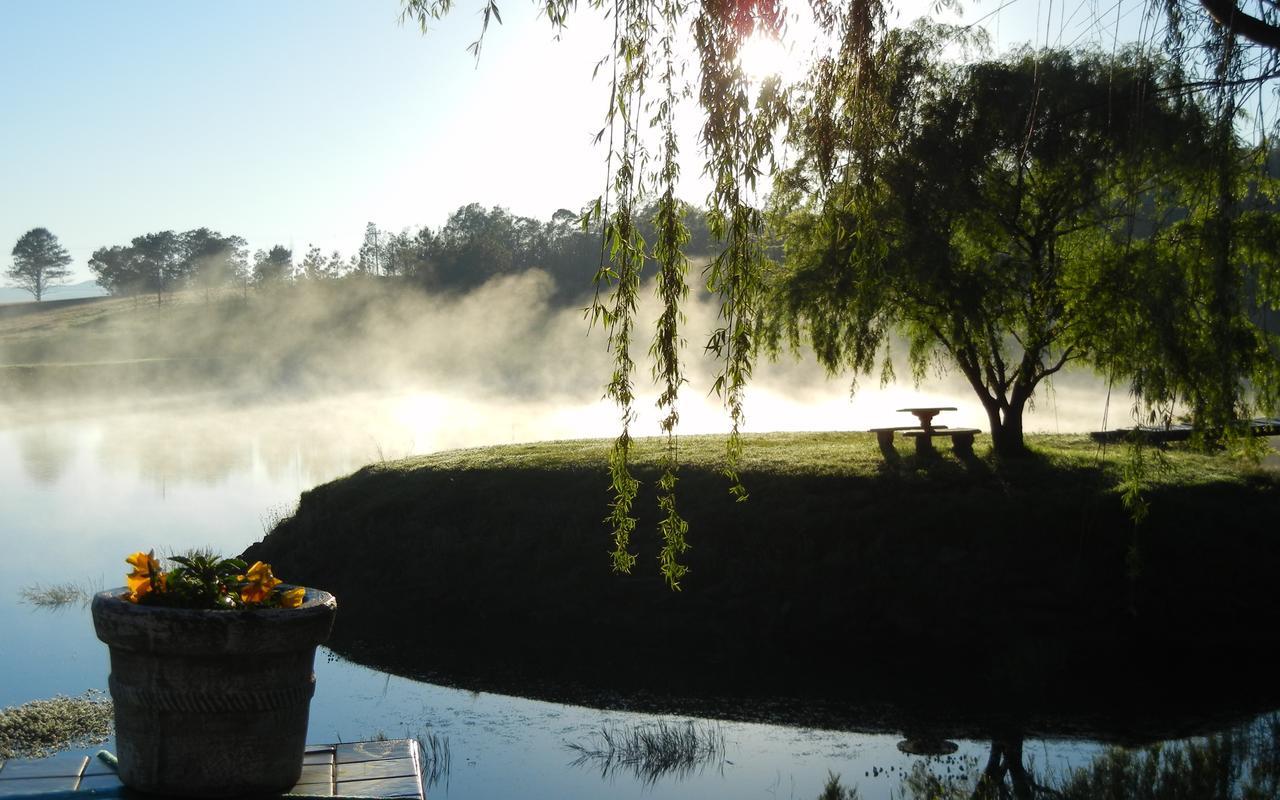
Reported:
(321, 379)
(198, 424)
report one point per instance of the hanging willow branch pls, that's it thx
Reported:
(737, 139)
(673, 290)
(623, 259)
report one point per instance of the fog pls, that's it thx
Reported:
(320, 378)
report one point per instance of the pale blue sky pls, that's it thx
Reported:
(289, 122)
(296, 121)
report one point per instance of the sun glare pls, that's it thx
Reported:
(763, 56)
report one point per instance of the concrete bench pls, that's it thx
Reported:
(961, 439)
(884, 436)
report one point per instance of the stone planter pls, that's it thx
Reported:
(211, 703)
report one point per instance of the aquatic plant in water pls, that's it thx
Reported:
(57, 595)
(834, 790)
(436, 759)
(42, 727)
(651, 751)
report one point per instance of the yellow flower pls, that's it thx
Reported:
(260, 583)
(146, 576)
(292, 598)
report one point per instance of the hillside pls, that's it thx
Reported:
(70, 291)
(354, 333)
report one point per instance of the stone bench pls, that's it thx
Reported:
(884, 436)
(961, 439)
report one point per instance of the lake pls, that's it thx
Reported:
(85, 486)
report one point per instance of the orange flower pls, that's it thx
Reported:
(260, 583)
(146, 576)
(292, 598)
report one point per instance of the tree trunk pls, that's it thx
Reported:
(1006, 436)
(1006, 429)
(1005, 418)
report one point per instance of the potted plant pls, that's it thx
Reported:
(211, 674)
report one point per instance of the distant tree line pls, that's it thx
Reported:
(159, 263)
(475, 245)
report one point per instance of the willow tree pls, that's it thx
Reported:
(1225, 364)
(1191, 317)
(983, 217)
(740, 123)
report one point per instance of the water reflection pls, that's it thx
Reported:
(202, 451)
(57, 596)
(46, 453)
(305, 444)
(302, 444)
(1242, 762)
(652, 750)
(1006, 773)
(82, 491)
(437, 761)
(926, 712)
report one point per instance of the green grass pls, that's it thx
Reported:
(271, 339)
(116, 329)
(1073, 459)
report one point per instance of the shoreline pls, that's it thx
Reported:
(998, 593)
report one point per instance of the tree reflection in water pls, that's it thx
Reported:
(1238, 764)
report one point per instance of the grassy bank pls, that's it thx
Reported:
(298, 340)
(958, 583)
(192, 342)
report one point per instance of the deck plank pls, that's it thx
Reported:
(384, 769)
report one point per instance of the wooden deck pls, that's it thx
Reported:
(381, 769)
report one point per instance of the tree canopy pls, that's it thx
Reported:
(846, 94)
(272, 266)
(998, 220)
(475, 245)
(212, 260)
(38, 262)
(163, 261)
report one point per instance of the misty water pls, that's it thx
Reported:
(84, 486)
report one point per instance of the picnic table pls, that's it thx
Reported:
(926, 432)
(926, 415)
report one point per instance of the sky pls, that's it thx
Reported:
(295, 122)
